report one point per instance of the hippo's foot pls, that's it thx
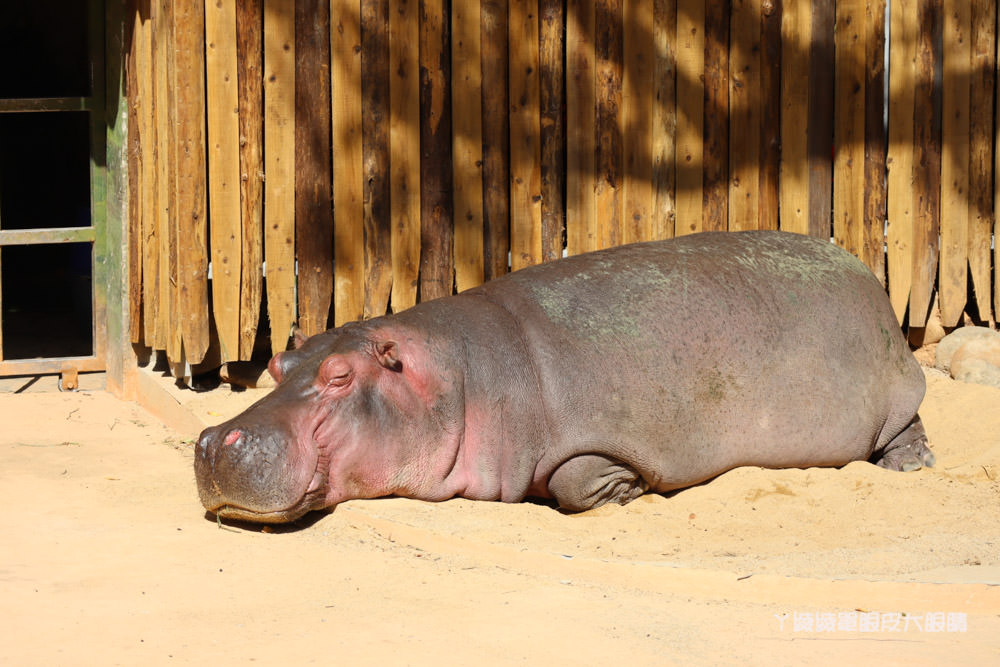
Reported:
(907, 451)
(591, 480)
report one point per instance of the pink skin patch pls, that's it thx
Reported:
(232, 437)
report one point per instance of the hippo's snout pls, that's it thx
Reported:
(256, 474)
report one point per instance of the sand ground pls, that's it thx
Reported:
(108, 558)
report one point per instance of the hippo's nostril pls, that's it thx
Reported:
(233, 437)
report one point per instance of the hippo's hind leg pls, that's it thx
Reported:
(907, 451)
(591, 480)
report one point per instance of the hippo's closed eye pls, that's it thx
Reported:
(335, 371)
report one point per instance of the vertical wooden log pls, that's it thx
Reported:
(875, 148)
(170, 201)
(581, 149)
(608, 184)
(467, 115)
(250, 58)
(192, 179)
(349, 165)
(313, 214)
(984, 25)
(436, 235)
(525, 136)
(996, 197)
(552, 78)
(953, 277)
(664, 140)
(716, 156)
(770, 96)
(902, 55)
(638, 141)
(849, 126)
(222, 91)
(927, 162)
(157, 297)
(146, 183)
(690, 115)
(134, 157)
(279, 167)
(496, 139)
(745, 114)
(404, 146)
(819, 145)
(377, 235)
(793, 188)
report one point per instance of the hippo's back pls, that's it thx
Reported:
(676, 355)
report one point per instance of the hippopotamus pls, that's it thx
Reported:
(587, 380)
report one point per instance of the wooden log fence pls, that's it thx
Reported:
(330, 160)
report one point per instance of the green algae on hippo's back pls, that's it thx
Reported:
(591, 379)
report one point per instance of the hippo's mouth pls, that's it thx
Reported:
(310, 500)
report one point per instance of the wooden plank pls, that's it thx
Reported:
(953, 277)
(436, 232)
(496, 139)
(902, 53)
(744, 114)
(525, 140)
(793, 188)
(581, 149)
(467, 115)
(926, 160)
(250, 62)
(168, 315)
(849, 126)
(875, 147)
(608, 182)
(148, 178)
(222, 92)
(313, 152)
(664, 130)
(552, 84)
(996, 201)
(192, 178)
(144, 227)
(134, 157)
(690, 115)
(377, 227)
(348, 162)
(770, 96)
(984, 22)
(716, 152)
(820, 119)
(156, 260)
(638, 86)
(404, 145)
(279, 168)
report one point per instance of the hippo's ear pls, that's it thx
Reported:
(277, 367)
(387, 353)
(299, 337)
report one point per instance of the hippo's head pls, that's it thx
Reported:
(303, 446)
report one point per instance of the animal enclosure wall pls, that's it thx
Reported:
(374, 153)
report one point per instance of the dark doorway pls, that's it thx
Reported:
(51, 183)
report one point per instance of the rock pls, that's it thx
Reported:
(978, 361)
(949, 345)
(248, 374)
(932, 331)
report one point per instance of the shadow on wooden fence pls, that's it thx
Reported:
(410, 147)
